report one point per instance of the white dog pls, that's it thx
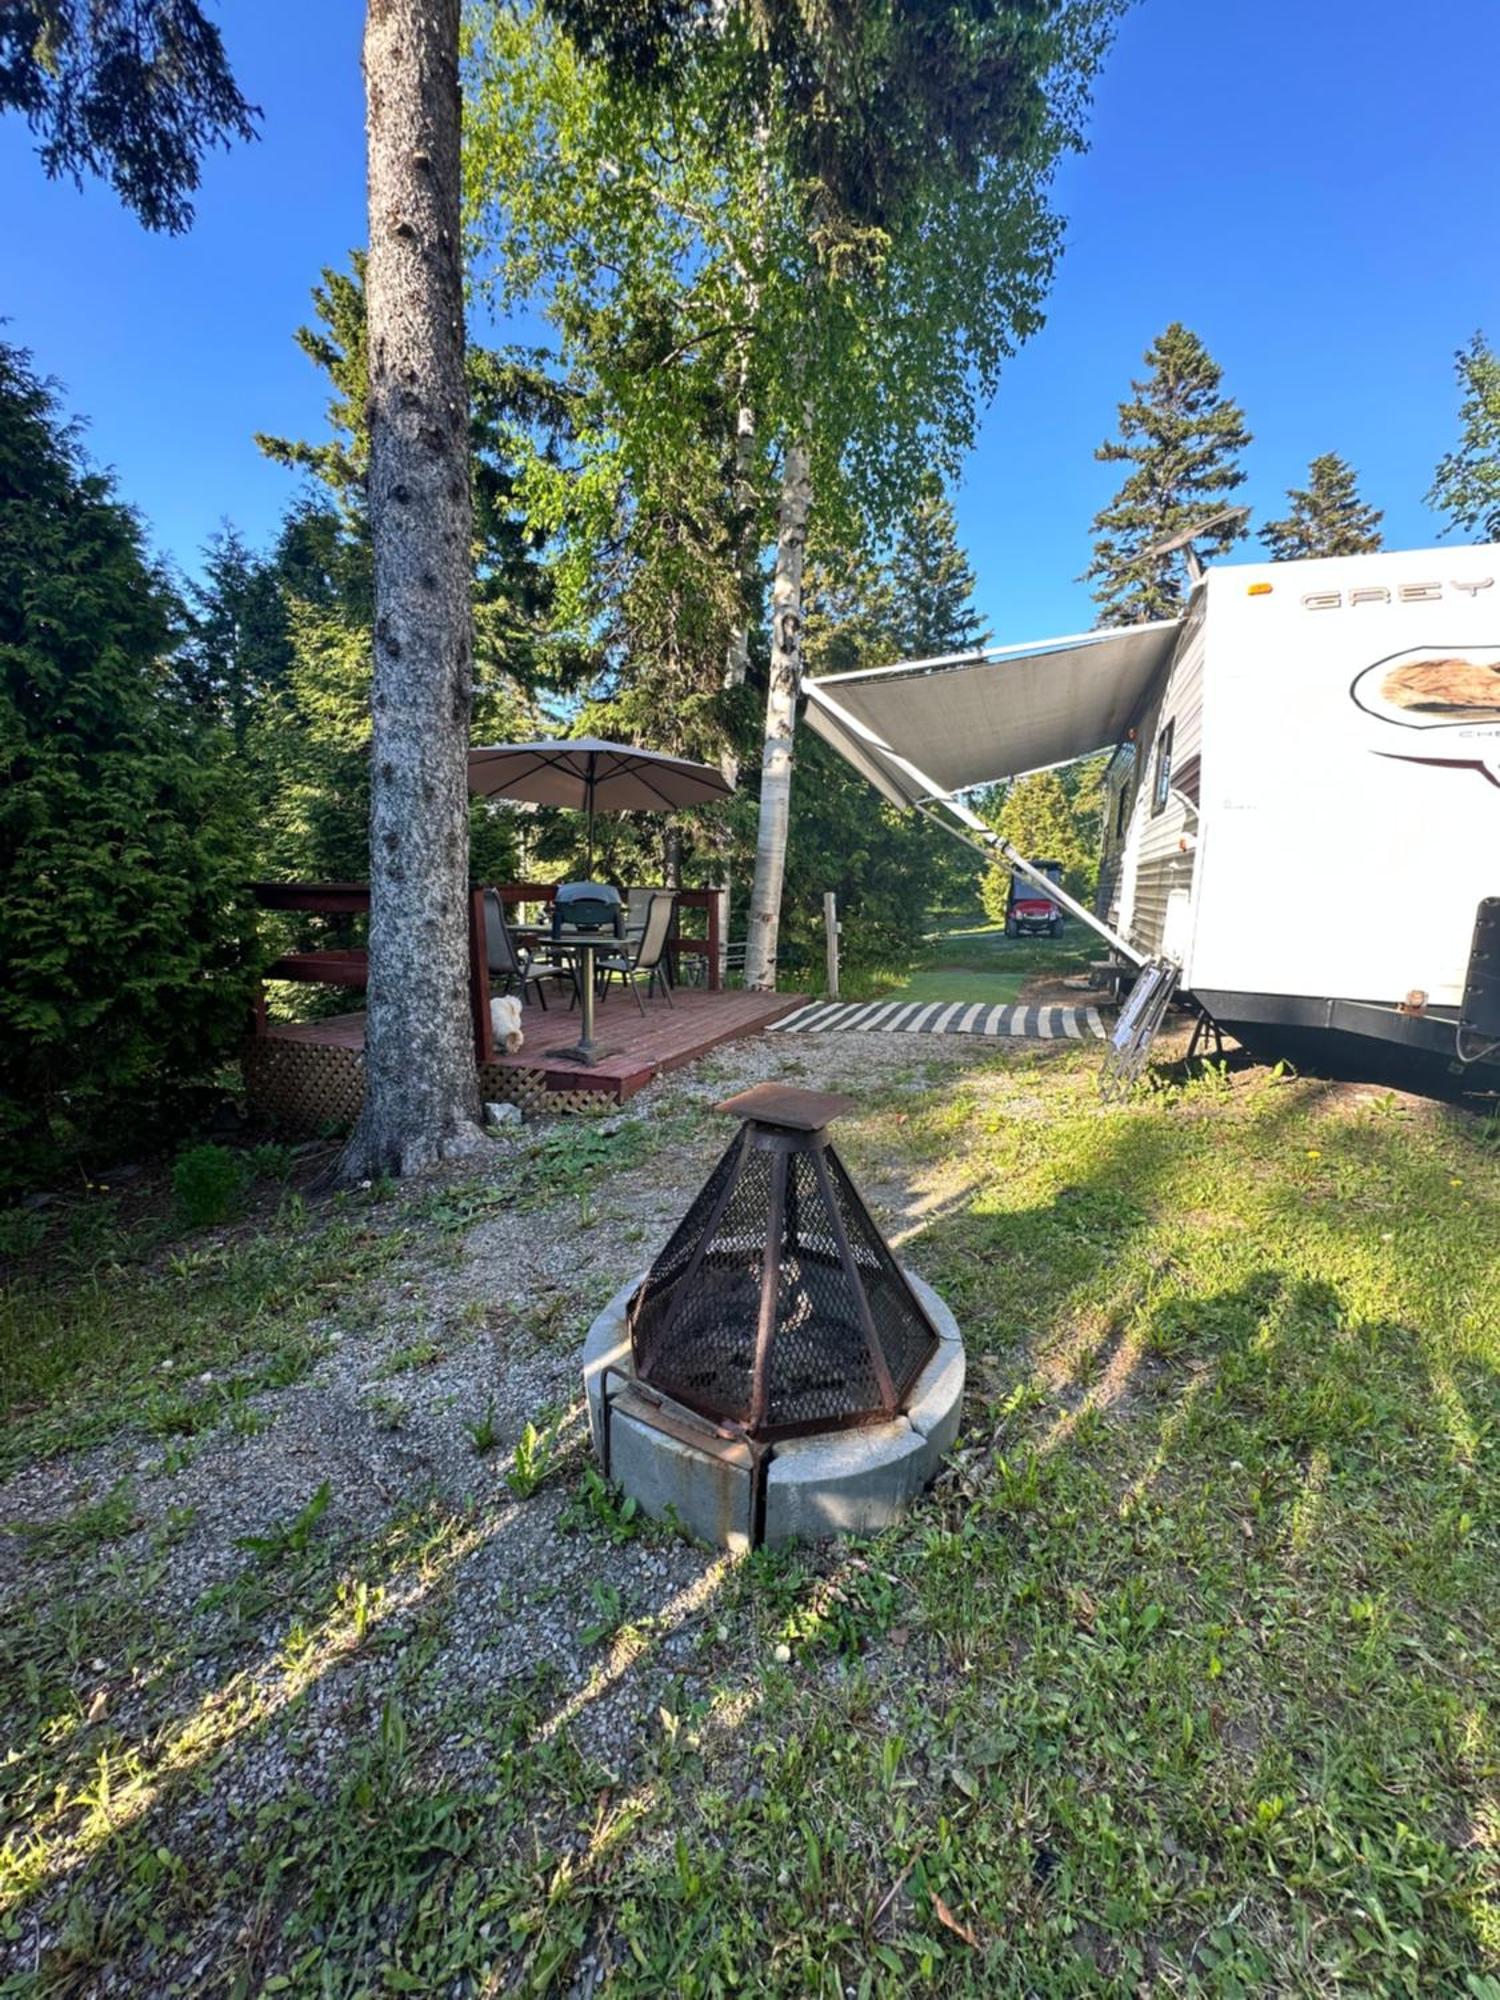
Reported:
(505, 1019)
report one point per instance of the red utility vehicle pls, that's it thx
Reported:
(1030, 910)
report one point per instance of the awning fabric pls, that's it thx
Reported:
(926, 728)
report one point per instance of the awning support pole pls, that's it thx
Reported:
(984, 840)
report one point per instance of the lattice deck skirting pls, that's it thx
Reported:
(308, 1087)
(940, 1017)
(308, 1076)
(311, 1088)
(528, 1088)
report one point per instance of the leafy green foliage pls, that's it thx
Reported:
(208, 1182)
(535, 1452)
(1182, 438)
(238, 648)
(124, 846)
(136, 90)
(866, 606)
(1466, 486)
(1327, 516)
(824, 233)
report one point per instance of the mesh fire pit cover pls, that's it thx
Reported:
(777, 1306)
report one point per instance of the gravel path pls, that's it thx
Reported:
(196, 1620)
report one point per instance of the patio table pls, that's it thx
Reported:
(585, 1050)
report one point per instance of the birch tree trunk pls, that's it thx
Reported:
(781, 719)
(747, 526)
(421, 1085)
(737, 655)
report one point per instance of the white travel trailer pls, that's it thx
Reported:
(1303, 800)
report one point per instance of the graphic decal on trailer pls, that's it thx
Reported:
(1454, 690)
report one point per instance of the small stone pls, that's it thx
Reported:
(782, 1655)
(502, 1114)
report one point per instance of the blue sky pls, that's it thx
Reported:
(1311, 186)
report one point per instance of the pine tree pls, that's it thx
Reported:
(1327, 516)
(1182, 438)
(1466, 486)
(933, 583)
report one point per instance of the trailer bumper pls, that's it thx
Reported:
(1359, 1040)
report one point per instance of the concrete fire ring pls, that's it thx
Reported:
(850, 1482)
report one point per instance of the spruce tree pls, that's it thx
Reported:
(1181, 437)
(138, 91)
(1327, 516)
(1466, 486)
(238, 649)
(933, 583)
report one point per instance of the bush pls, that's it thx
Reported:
(124, 929)
(209, 1182)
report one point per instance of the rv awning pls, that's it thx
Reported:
(926, 728)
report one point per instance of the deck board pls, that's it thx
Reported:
(639, 1049)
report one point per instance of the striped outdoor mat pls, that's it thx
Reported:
(941, 1017)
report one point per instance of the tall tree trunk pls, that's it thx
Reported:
(421, 1085)
(747, 525)
(781, 718)
(746, 540)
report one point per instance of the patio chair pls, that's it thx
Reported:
(637, 909)
(649, 952)
(509, 961)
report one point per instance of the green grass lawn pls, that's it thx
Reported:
(944, 982)
(1183, 1680)
(976, 962)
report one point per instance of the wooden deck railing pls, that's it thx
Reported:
(348, 965)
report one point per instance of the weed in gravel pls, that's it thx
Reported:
(484, 1432)
(292, 1537)
(599, 1505)
(416, 1354)
(608, 1613)
(88, 1527)
(534, 1454)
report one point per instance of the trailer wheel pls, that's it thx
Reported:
(1012, 928)
(1056, 926)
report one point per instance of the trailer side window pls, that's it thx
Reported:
(1122, 811)
(1161, 784)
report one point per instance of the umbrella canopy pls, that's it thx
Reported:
(592, 776)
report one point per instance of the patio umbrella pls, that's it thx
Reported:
(591, 776)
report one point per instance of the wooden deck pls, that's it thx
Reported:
(640, 1049)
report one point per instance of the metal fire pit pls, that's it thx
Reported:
(776, 1311)
(777, 1306)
